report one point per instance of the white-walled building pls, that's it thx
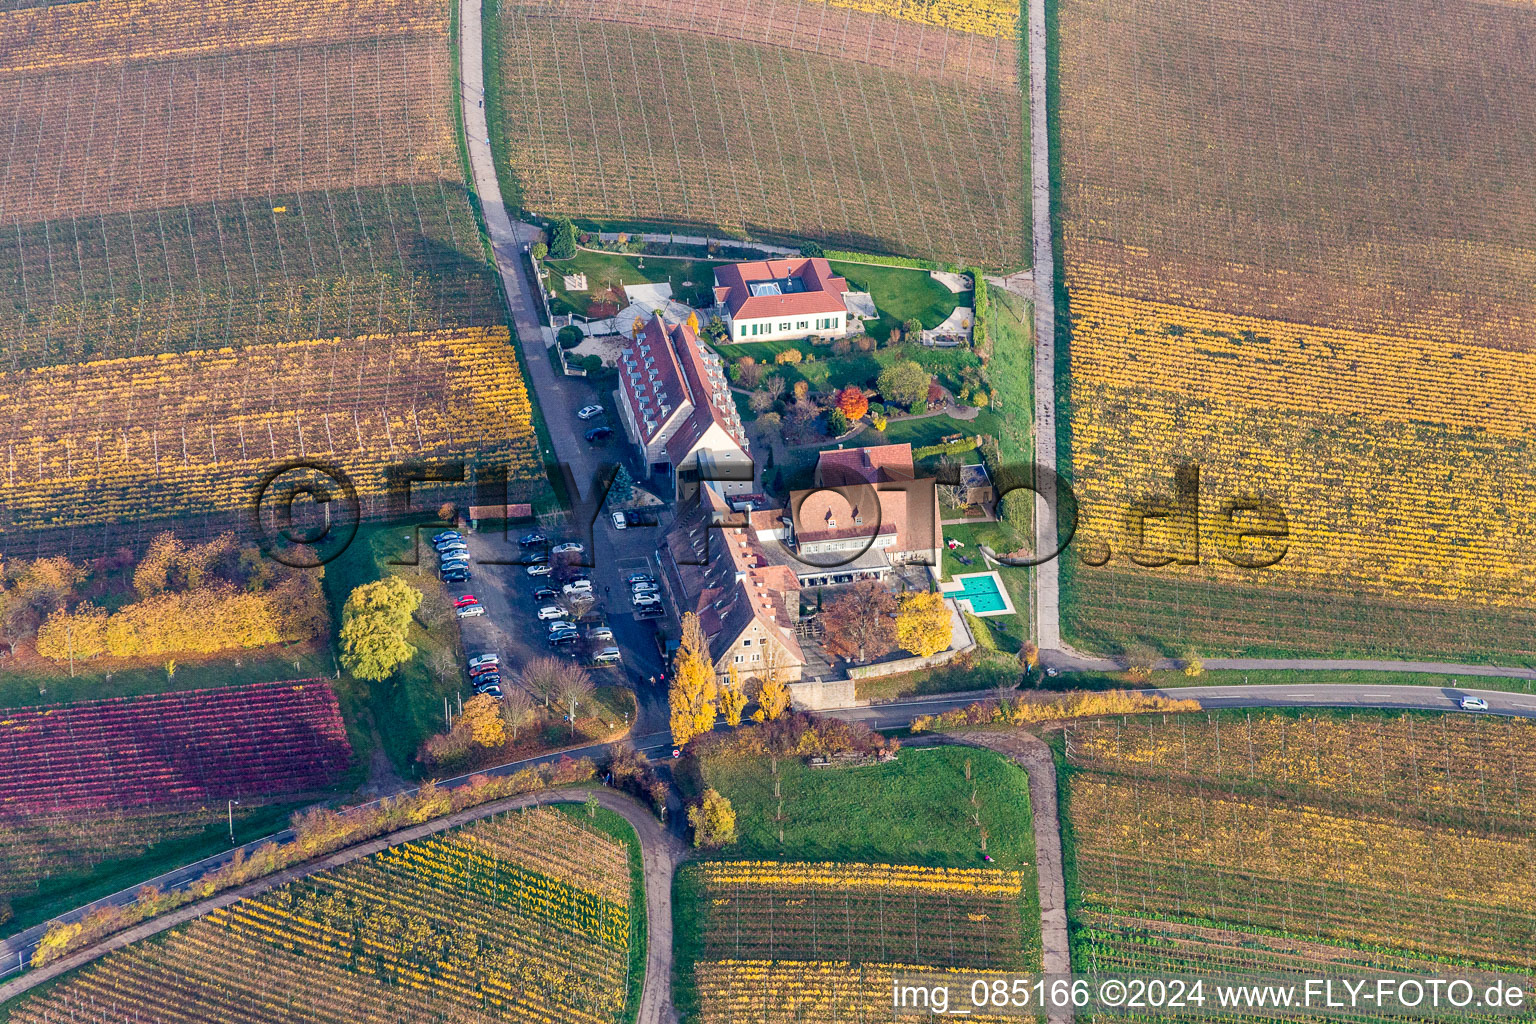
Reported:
(676, 404)
(785, 298)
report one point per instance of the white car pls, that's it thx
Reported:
(577, 587)
(1473, 704)
(471, 611)
(570, 547)
(618, 521)
(589, 412)
(551, 611)
(484, 659)
(539, 569)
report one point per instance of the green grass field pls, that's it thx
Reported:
(912, 811)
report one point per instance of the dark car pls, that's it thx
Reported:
(545, 594)
(529, 540)
(597, 434)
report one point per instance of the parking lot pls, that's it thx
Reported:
(510, 625)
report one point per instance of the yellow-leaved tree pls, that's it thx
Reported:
(693, 692)
(773, 695)
(482, 718)
(713, 820)
(923, 624)
(733, 700)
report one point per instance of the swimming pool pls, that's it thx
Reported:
(983, 591)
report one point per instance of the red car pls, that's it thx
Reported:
(466, 601)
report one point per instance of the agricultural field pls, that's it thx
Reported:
(793, 941)
(778, 123)
(192, 433)
(92, 781)
(480, 924)
(1276, 841)
(839, 877)
(1330, 321)
(217, 181)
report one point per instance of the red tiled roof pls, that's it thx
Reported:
(871, 465)
(823, 289)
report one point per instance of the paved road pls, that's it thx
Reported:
(558, 395)
(1047, 576)
(660, 853)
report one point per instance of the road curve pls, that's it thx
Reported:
(660, 853)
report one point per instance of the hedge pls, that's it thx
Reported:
(965, 444)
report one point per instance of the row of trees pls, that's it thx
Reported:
(545, 687)
(198, 598)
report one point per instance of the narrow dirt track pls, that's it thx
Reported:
(660, 853)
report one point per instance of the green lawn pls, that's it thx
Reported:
(913, 811)
(691, 280)
(899, 294)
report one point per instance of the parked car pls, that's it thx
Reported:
(484, 659)
(570, 547)
(467, 599)
(472, 611)
(550, 611)
(560, 627)
(608, 656)
(619, 522)
(599, 633)
(1473, 704)
(534, 539)
(589, 412)
(545, 593)
(447, 535)
(597, 434)
(538, 569)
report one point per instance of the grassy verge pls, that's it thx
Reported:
(45, 683)
(1169, 679)
(55, 895)
(978, 672)
(613, 824)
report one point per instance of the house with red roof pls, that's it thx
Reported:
(747, 603)
(766, 300)
(676, 406)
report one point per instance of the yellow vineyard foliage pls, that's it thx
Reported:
(888, 877)
(1402, 464)
(124, 438)
(107, 31)
(980, 17)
